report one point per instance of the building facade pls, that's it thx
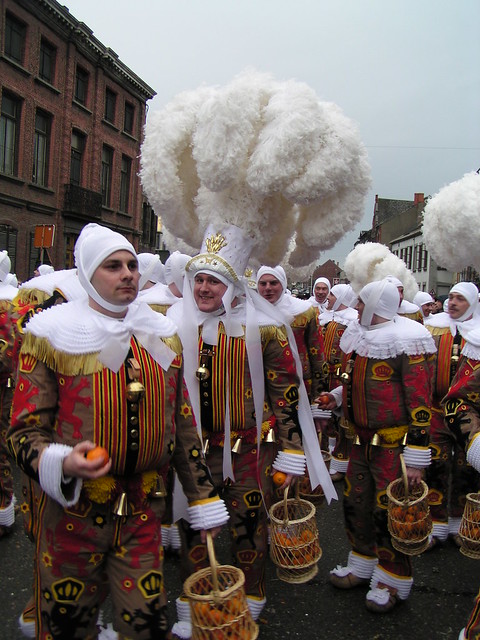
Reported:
(398, 225)
(71, 125)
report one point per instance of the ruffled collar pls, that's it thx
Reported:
(342, 316)
(388, 340)
(75, 328)
(158, 294)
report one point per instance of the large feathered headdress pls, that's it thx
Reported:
(266, 156)
(451, 224)
(374, 261)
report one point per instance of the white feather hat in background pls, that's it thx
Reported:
(268, 157)
(451, 224)
(374, 261)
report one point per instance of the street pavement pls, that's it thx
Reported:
(446, 583)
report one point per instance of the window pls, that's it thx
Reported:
(70, 240)
(107, 164)
(128, 117)
(425, 260)
(48, 55)
(110, 101)
(15, 32)
(41, 151)
(8, 241)
(76, 156)
(9, 130)
(125, 183)
(81, 86)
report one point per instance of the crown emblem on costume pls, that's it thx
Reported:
(451, 406)
(291, 394)
(68, 590)
(253, 499)
(381, 371)
(247, 556)
(150, 584)
(27, 362)
(421, 415)
(215, 243)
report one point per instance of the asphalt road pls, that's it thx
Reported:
(445, 584)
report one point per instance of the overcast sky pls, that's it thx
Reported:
(407, 72)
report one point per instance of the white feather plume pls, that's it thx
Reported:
(266, 156)
(451, 224)
(373, 261)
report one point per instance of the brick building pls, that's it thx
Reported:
(71, 123)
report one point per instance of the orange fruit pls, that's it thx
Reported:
(98, 453)
(323, 399)
(279, 478)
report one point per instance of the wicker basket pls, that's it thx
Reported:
(305, 489)
(294, 544)
(218, 603)
(409, 520)
(470, 527)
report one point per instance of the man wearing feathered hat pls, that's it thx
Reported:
(449, 478)
(105, 371)
(244, 385)
(386, 401)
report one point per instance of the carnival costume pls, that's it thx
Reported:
(117, 382)
(386, 403)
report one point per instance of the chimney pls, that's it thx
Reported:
(418, 198)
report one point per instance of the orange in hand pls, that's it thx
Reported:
(96, 453)
(279, 478)
(323, 399)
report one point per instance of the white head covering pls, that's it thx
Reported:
(394, 280)
(277, 272)
(381, 298)
(151, 269)
(94, 244)
(5, 265)
(11, 279)
(45, 269)
(175, 269)
(344, 294)
(422, 297)
(325, 281)
(470, 292)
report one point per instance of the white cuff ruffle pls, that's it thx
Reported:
(50, 472)
(360, 566)
(403, 585)
(417, 457)
(256, 606)
(207, 515)
(473, 452)
(291, 463)
(7, 515)
(320, 413)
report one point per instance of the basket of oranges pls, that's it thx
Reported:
(294, 544)
(409, 520)
(469, 530)
(218, 604)
(316, 495)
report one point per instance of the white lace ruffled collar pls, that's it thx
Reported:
(388, 340)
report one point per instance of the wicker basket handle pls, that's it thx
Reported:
(405, 477)
(213, 561)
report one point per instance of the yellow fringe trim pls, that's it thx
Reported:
(29, 296)
(65, 363)
(438, 331)
(393, 434)
(174, 343)
(149, 481)
(100, 489)
(270, 332)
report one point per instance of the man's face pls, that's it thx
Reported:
(457, 305)
(331, 301)
(208, 292)
(270, 288)
(116, 278)
(321, 292)
(427, 309)
(400, 291)
(360, 306)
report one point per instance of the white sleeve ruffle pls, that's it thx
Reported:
(417, 457)
(50, 472)
(208, 514)
(473, 452)
(290, 462)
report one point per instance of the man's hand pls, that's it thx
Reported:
(414, 476)
(326, 401)
(76, 464)
(214, 533)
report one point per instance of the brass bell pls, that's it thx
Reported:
(270, 437)
(206, 446)
(159, 491)
(345, 377)
(135, 391)
(120, 507)
(202, 373)
(237, 447)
